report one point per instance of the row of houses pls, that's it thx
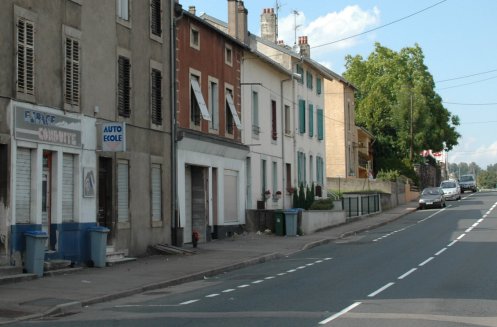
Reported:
(145, 118)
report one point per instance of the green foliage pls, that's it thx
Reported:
(323, 204)
(397, 92)
(487, 179)
(304, 198)
(389, 175)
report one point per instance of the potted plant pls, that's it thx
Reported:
(267, 194)
(290, 190)
(277, 195)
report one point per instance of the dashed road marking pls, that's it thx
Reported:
(407, 273)
(426, 261)
(441, 251)
(381, 289)
(341, 313)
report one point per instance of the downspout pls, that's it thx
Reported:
(283, 169)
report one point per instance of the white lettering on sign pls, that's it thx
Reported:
(56, 136)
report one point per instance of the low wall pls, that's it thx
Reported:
(314, 220)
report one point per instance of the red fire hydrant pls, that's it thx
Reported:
(195, 238)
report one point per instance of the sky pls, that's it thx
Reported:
(458, 39)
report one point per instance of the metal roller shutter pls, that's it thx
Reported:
(122, 191)
(156, 192)
(67, 187)
(23, 185)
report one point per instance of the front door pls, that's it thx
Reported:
(105, 196)
(46, 195)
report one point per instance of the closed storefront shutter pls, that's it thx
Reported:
(156, 193)
(122, 191)
(230, 196)
(23, 185)
(67, 187)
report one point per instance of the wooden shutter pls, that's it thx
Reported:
(67, 187)
(156, 192)
(124, 87)
(311, 120)
(156, 101)
(320, 124)
(122, 191)
(25, 57)
(23, 186)
(155, 17)
(318, 85)
(274, 132)
(72, 76)
(302, 116)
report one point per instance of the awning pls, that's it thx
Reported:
(229, 99)
(200, 99)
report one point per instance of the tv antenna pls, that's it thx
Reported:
(295, 26)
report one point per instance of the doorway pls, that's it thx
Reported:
(46, 199)
(105, 178)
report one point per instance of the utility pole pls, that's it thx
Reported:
(412, 149)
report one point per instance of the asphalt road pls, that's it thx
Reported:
(434, 267)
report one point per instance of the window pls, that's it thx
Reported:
(156, 178)
(194, 38)
(25, 57)
(288, 127)
(67, 187)
(320, 170)
(197, 102)
(214, 104)
(311, 120)
(301, 168)
(301, 116)
(288, 176)
(155, 18)
(309, 79)
(274, 126)
(300, 71)
(122, 191)
(318, 85)
(71, 72)
(263, 176)
(255, 113)
(320, 124)
(156, 96)
(123, 9)
(228, 55)
(4, 173)
(311, 168)
(231, 114)
(124, 87)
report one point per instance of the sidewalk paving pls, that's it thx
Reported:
(70, 292)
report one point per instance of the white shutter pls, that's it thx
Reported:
(67, 187)
(122, 191)
(156, 192)
(230, 196)
(23, 185)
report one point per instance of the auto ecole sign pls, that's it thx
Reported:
(114, 137)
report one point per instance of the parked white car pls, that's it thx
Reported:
(451, 189)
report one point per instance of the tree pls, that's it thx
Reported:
(487, 179)
(396, 101)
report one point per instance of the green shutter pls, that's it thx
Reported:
(300, 71)
(318, 85)
(311, 120)
(302, 116)
(320, 124)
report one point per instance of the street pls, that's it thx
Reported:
(434, 267)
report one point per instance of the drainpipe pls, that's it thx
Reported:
(283, 170)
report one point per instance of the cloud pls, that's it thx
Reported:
(332, 26)
(468, 151)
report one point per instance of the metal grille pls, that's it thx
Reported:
(124, 87)
(23, 185)
(68, 187)
(156, 101)
(155, 17)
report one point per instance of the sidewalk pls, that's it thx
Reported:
(70, 292)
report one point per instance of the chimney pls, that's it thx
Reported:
(305, 49)
(192, 10)
(237, 20)
(269, 25)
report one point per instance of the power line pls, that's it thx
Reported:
(459, 85)
(377, 28)
(466, 76)
(471, 104)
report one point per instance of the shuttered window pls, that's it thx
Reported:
(302, 116)
(23, 186)
(122, 9)
(301, 171)
(318, 85)
(25, 57)
(274, 125)
(122, 191)
(309, 80)
(124, 87)
(320, 124)
(300, 71)
(156, 192)
(156, 94)
(67, 187)
(311, 120)
(71, 72)
(155, 17)
(320, 170)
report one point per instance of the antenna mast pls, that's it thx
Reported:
(277, 5)
(295, 26)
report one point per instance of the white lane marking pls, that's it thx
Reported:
(407, 273)
(243, 286)
(318, 261)
(212, 295)
(269, 277)
(381, 289)
(426, 261)
(189, 302)
(479, 220)
(310, 264)
(341, 313)
(229, 290)
(301, 267)
(326, 259)
(291, 271)
(281, 274)
(441, 251)
(257, 281)
(452, 243)
(468, 230)
(474, 225)
(461, 236)
(485, 215)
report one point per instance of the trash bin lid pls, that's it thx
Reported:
(292, 211)
(100, 229)
(36, 233)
